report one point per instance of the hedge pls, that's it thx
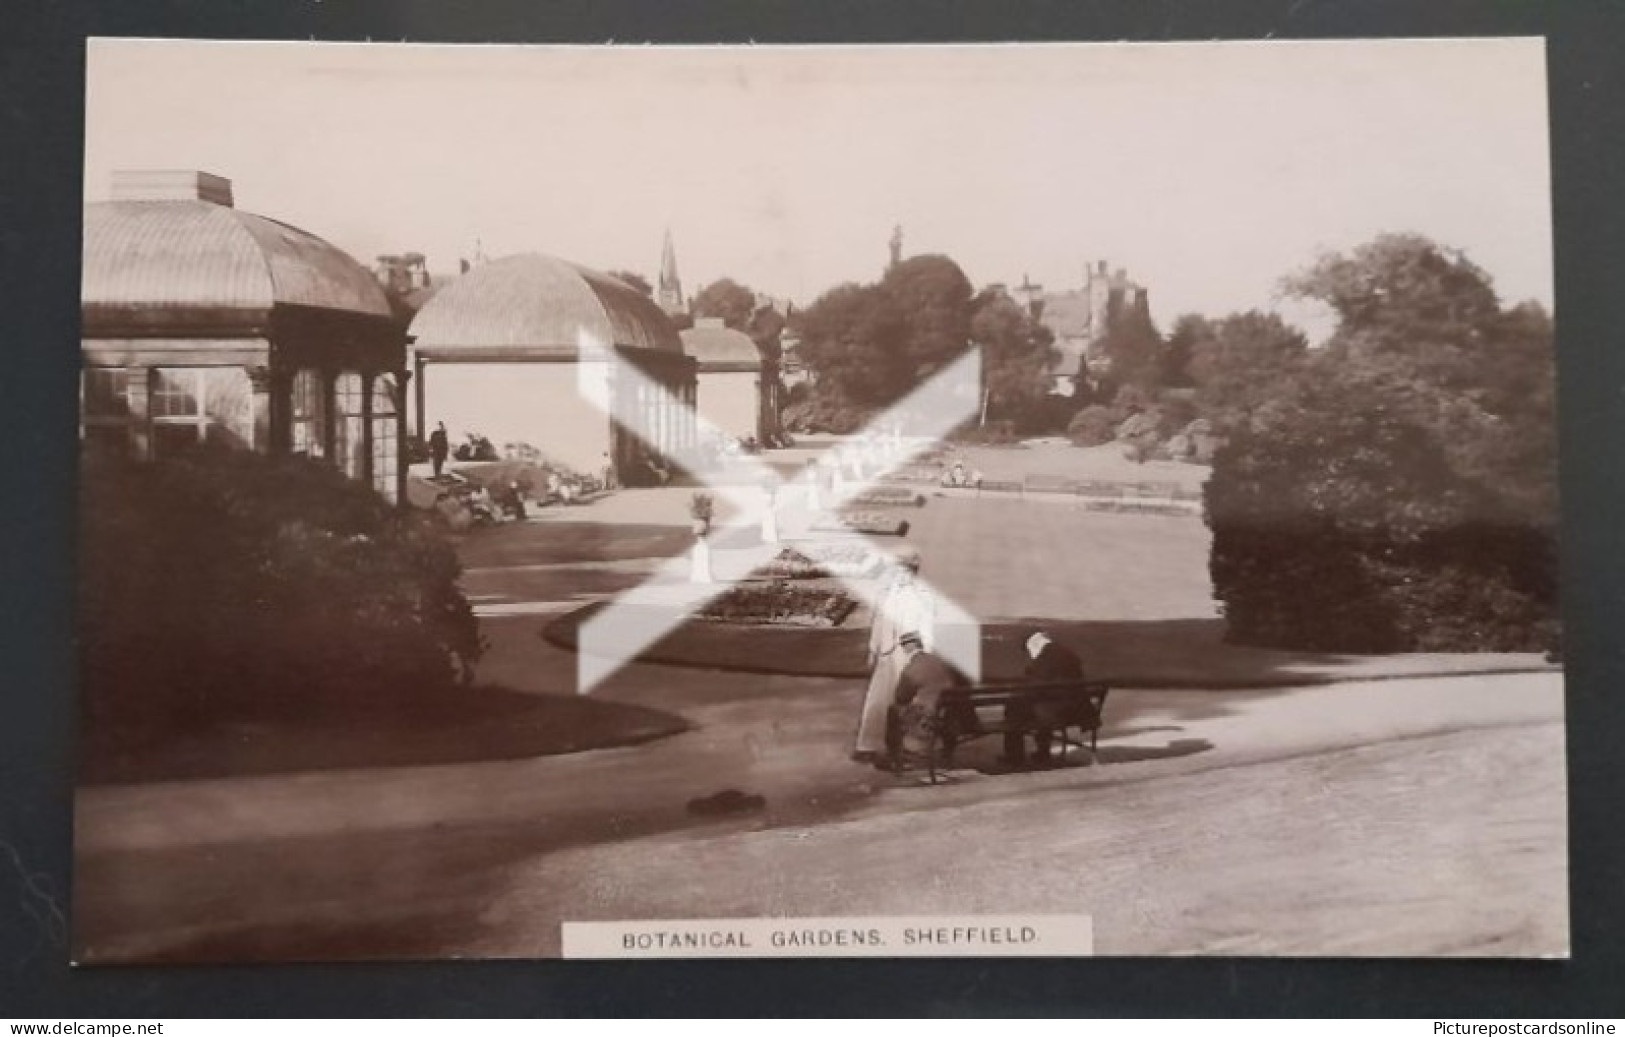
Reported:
(1347, 528)
(240, 587)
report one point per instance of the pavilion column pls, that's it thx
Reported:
(259, 402)
(417, 397)
(668, 424)
(368, 380)
(138, 392)
(679, 409)
(650, 418)
(660, 421)
(694, 413)
(399, 475)
(691, 431)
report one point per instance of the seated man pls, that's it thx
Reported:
(512, 500)
(920, 687)
(1047, 661)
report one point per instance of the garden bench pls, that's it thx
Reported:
(1072, 705)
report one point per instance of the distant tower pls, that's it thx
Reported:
(670, 293)
(896, 244)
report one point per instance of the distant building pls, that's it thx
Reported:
(403, 273)
(497, 352)
(205, 326)
(408, 282)
(1080, 318)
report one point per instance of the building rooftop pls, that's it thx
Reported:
(542, 305)
(171, 250)
(718, 347)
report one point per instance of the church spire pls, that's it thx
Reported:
(670, 292)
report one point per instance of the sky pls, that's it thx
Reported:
(1207, 171)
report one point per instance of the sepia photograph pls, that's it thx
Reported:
(1034, 500)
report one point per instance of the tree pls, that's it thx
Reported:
(727, 300)
(932, 300)
(632, 280)
(869, 345)
(1017, 356)
(1400, 494)
(1192, 332)
(1422, 323)
(1133, 349)
(1240, 363)
(1406, 296)
(851, 338)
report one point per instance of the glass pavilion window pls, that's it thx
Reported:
(385, 448)
(176, 405)
(309, 408)
(193, 406)
(350, 425)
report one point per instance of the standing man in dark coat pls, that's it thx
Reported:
(439, 447)
(1048, 662)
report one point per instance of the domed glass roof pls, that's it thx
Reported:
(540, 305)
(155, 262)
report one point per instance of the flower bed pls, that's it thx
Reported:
(1138, 507)
(779, 604)
(889, 496)
(821, 561)
(913, 474)
(871, 522)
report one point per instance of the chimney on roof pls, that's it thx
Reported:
(170, 185)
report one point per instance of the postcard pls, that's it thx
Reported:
(791, 501)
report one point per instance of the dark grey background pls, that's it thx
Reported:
(41, 116)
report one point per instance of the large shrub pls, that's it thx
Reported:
(819, 409)
(1344, 526)
(1092, 426)
(236, 586)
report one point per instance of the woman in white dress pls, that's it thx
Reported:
(905, 607)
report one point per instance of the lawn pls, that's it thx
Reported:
(477, 723)
(1129, 592)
